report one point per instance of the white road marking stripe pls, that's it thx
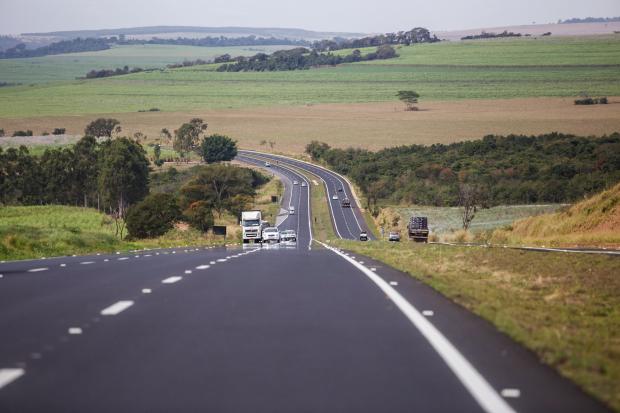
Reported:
(203, 267)
(9, 375)
(511, 393)
(373, 269)
(222, 260)
(116, 308)
(212, 262)
(63, 265)
(146, 291)
(105, 260)
(171, 280)
(75, 330)
(38, 269)
(123, 258)
(394, 283)
(470, 378)
(87, 262)
(188, 271)
(148, 255)
(428, 313)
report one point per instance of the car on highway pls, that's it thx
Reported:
(363, 236)
(288, 235)
(271, 234)
(394, 236)
(335, 197)
(291, 210)
(267, 164)
(346, 203)
(340, 189)
(295, 182)
(303, 184)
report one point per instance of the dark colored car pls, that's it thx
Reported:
(363, 236)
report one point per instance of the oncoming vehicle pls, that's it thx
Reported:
(340, 189)
(394, 236)
(346, 203)
(271, 234)
(288, 235)
(295, 182)
(363, 236)
(303, 184)
(291, 210)
(252, 226)
(335, 197)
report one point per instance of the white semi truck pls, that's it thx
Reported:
(252, 225)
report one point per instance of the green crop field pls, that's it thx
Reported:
(70, 66)
(444, 71)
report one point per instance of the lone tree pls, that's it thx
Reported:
(187, 137)
(217, 148)
(409, 98)
(102, 127)
(470, 198)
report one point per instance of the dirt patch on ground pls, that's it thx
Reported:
(373, 126)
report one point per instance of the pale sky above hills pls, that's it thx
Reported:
(18, 16)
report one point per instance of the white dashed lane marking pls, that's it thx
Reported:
(212, 262)
(203, 267)
(146, 291)
(75, 330)
(188, 271)
(428, 313)
(511, 393)
(394, 283)
(123, 258)
(172, 280)
(38, 269)
(116, 308)
(9, 375)
(87, 262)
(222, 260)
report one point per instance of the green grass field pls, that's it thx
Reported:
(70, 66)
(444, 71)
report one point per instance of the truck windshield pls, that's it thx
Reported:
(251, 223)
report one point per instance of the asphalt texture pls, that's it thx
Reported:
(277, 328)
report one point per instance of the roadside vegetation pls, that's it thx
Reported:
(563, 307)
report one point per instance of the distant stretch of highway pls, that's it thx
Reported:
(295, 327)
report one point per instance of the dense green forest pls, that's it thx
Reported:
(511, 169)
(413, 36)
(301, 58)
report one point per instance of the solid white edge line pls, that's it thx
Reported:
(9, 375)
(471, 379)
(117, 307)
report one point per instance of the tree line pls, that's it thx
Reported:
(220, 41)
(300, 59)
(406, 38)
(487, 35)
(514, 169)
(590, 20)
(62, 47)
(95, 74)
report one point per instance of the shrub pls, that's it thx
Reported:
(1, 133)
(152, 217)
(200, 215)
(59, 131)
(217, 148)
(22, 133)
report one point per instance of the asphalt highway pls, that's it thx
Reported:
(296, 327)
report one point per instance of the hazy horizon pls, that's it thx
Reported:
(24, 16)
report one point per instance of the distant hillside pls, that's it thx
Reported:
(196, 31)
(592, 222)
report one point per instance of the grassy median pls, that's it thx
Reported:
(564, 307)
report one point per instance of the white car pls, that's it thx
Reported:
(291, 210)
(335, 197)
(271, 234)
(267, 164)
(303, 184)
(288, 235)
(295, 183)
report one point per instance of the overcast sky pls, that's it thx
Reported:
(19, 16)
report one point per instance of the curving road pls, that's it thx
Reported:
(256, 329)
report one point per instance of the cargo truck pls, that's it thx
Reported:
(252, 226)
(418, 229)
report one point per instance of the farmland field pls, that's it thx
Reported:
(70, 66)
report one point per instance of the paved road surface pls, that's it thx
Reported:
(256, 329)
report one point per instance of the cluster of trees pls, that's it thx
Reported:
(220, 41)
(301, 58)
(487, 35)
(590, 20)
(511, 169)
(591, 101)
(55, 131)
(413, 36)
(187, 63)
(64, 46)
(190, 138)
(214, 189)
(94, 74)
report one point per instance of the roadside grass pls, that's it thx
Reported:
(555, 68)
(566, 308)
(594, 222)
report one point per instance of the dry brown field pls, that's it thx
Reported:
(372, 126)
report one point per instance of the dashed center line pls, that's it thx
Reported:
(116, 308)
(222, 260)
(203, 267)
(428, 313)
(394, 283)
(9, 375)
(188, 271)
(38, 269)
(212, 262)
(123, 258)
(75, 330)
(146, 291)
(87, 262)
(172, 280)
(511, 393)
